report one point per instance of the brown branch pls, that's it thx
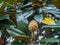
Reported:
(6, 12)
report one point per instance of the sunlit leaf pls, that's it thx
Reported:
(48, 21)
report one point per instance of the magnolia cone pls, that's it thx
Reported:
(33, 25)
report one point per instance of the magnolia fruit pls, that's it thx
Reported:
(33, 25)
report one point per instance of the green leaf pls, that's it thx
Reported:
(15, 32)
(51, 26)
(17, 43)
(51, 40)
(24, 27)
(0, 1)
(38, 17)
(2, 16)
(26, 1)
(5, 23)
(58, 22)
(6, 3)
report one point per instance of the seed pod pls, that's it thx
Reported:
(33, 25)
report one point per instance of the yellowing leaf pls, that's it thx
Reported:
(21, 37)
(48, 21)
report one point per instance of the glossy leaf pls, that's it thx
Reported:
(17, 34)
(51, 26)
(24, 27)
(5, 23)
(12, 31)
(17, 43)
(38, 17)
(58, 22)
(51, 40)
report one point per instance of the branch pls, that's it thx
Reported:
(6, 12)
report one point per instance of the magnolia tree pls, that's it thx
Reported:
(29, 22)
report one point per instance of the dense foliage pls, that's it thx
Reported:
(30, 22)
